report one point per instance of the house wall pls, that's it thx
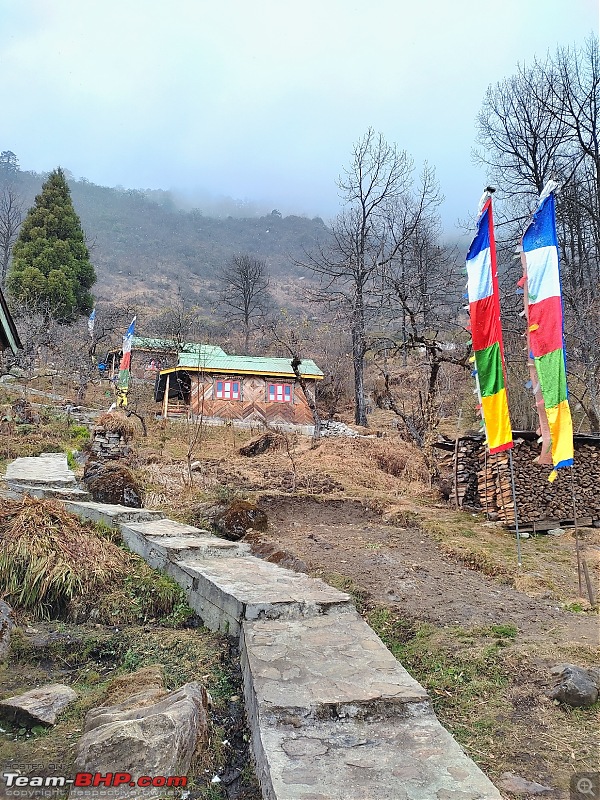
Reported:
(253, 406)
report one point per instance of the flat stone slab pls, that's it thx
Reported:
(160, 544)
(112, 515)
(225, 591)
(49, 469)
(411, 759)
(51, 492)
(325, 665)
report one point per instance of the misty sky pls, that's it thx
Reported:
(262, 99)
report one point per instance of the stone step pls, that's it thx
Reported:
(50, 492)
(163, 542)
(328, 666)
(50, 470)
(111, 515)
(408, 759)
(333, 715)
(225, 591)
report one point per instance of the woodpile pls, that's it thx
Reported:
(482, 480)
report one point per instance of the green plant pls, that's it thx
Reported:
(71, 460)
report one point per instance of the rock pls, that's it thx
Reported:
(237, 518)
(39, 705)
(143, 736)
(575, 686)
(517, 785)
(556, 532)
(17, 372)
(6, 626)
(7, 379)
(112, 483)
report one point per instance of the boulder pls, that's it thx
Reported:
(41, 705)
(112, 483)
(575, 686)
(237, 518)
(142, 735)
(6, 626)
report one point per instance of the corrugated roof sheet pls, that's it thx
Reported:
(168, 345)
(254, 365)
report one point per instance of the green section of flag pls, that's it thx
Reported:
(553, 380)
(489, 370)
(123, 379)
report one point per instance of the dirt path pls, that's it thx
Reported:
(405, 567)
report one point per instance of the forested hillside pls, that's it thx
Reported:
(144, 247)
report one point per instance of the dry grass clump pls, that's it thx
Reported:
(47, 557)
(117, 423)
(400, 459)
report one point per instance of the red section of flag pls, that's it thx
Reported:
(125, 361)
(547, 315)
(485, 327)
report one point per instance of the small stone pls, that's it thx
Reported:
(575, 686)
(557, 532)
(39, 705)
(515, 784)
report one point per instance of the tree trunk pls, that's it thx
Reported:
(358, 360)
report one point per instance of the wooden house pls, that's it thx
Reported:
(151, 355)
(245, 390)
(9, 336)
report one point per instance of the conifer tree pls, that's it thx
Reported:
(51, 266)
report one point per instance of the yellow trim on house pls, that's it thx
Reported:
(212, 370)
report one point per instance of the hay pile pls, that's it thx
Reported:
(53, 565)
(47, 557)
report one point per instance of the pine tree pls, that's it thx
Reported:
(51, 266)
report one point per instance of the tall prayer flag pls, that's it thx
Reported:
(91, 321)
(484, 311)
(545, 326)
(124, 366)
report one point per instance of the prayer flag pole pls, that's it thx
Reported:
(488, 351)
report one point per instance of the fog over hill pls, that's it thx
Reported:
(145, 247)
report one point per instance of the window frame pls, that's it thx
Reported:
(287, 392)
(227, 390)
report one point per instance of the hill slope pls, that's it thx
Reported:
(144, 247)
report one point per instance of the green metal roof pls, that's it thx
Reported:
(168, 345)
(244, 365)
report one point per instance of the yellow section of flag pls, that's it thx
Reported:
(497, 421)
(561, 432)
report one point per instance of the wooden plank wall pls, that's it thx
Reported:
(253, 407)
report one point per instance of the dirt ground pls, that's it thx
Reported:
(405, 567)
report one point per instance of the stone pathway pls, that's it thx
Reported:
(333, 715)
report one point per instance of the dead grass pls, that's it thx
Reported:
(51, 564)
(117, 423)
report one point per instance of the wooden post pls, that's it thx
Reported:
(166, 397)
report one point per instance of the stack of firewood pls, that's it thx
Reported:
(574, 494)
(466, 490)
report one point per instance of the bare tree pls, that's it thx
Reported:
(11, 217)
(544, 123)
(381, 211)
(421, 300)
(244, 294)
